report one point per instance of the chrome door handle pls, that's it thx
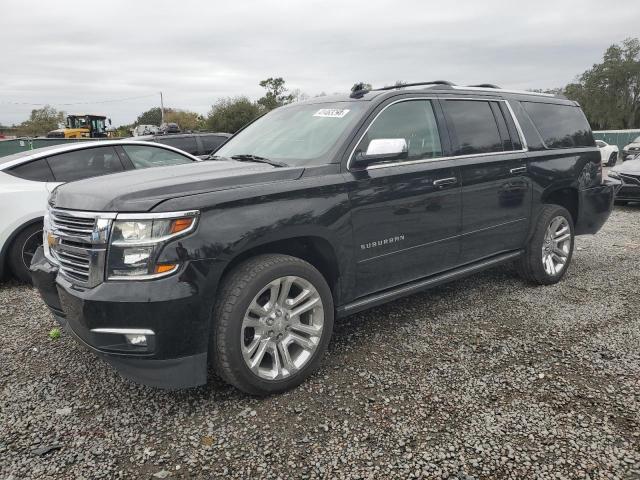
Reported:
(444, 181)
(516, 170)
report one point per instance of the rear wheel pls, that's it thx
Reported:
(550, 249)
(272, 324)
(22, 249)
(612, 159)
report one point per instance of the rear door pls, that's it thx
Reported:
(405, 214)
(496, 190)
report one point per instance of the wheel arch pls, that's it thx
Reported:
(566, 197)
(315, 250)
(9, 242)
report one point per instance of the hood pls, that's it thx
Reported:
(631, 167)
(141, 190)
(632, 145)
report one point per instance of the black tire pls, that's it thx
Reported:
(613, 158)
(530, 265)
(21, 252)
(238, 291)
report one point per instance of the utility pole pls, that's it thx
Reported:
(161, 110)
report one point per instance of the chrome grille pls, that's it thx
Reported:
(77, 242)
(70, 225)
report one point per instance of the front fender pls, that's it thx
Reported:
(233, 222)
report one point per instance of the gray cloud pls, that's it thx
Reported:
(196, 52)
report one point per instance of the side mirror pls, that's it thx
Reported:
(383, 150)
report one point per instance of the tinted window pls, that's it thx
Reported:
(37, 170)
(474, 126)
(143, 156)
(211, 142)
(600, 143)
(412, 120)
(561, 126)
(89, 162)
(186, 144)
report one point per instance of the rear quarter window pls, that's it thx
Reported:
(38, 171)
(560, 126)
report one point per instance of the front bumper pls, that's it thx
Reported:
(174, 309)
(595, 206)
(629, 193)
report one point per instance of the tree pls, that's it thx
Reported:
(231, 114)
(609, 92)
(152, 116)
(185, 119)
(276, 93)
(41, 121)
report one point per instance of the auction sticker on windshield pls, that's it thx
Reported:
(331, 112)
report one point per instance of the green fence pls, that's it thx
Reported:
(617, 137)
(7, 147)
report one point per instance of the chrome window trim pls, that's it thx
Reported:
(523, 141)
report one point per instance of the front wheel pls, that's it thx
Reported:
(22, 249)
(548, 254)
(271, 324)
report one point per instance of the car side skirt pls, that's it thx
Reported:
(423, 284)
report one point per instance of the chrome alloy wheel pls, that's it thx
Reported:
(556, 245)
(282, 328)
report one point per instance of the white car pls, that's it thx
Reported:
(631, 150)
(27, 178)
(608, 153)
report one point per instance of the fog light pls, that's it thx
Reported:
(136, 340)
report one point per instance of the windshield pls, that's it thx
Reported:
(297, 134)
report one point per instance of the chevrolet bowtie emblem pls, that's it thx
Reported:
(52, 240)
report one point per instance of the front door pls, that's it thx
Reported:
(405, 212)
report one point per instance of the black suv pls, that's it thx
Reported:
(316, 210)
(198, 144)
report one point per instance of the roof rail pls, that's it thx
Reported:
(360, 89)
(402, 85)
(503, 90)
(485, 85)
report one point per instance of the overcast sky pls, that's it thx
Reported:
(196, 52)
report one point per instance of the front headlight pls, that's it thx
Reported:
(613, 174)
(136, 242)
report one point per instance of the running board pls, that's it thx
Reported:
(419, 285)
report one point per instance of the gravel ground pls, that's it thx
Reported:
(483, 378)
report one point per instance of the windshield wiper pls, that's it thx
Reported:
(256, 158)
